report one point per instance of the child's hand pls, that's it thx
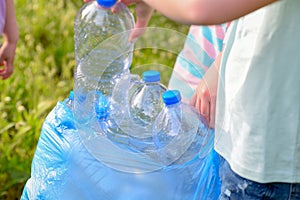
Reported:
(204, 98)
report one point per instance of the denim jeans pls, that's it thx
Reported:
(235, 187)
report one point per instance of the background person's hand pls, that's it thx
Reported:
(7, 55)
(11, 37)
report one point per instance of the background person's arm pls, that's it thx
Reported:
(11, 36)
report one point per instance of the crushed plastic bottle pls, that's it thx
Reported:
(145, 102)
(179, 131)
(138, 104)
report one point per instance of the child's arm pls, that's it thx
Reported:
(11, 36)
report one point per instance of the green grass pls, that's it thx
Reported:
(43, 75)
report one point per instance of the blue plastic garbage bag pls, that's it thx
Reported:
(62, 168)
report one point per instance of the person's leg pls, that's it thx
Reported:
(236, 187)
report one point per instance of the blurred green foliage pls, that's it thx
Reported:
(43, 75)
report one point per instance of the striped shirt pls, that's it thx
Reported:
(2, 15)
(202, 45)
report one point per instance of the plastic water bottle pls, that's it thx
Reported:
(103, 52)
(141, 108)
(178, 131)
(145, 102)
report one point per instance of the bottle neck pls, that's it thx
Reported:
(173, 106)
(152, 83)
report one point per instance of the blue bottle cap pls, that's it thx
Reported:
(171, 97)
(71, 95)
(106, 3)
(151, 76)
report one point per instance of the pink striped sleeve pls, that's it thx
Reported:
(2, 15)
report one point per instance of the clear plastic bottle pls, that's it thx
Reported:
(145, 102)
(103, 52)
(178, 131)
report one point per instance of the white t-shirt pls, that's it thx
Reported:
(2, 15)
(258, 105)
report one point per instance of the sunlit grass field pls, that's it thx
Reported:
(43, 75)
